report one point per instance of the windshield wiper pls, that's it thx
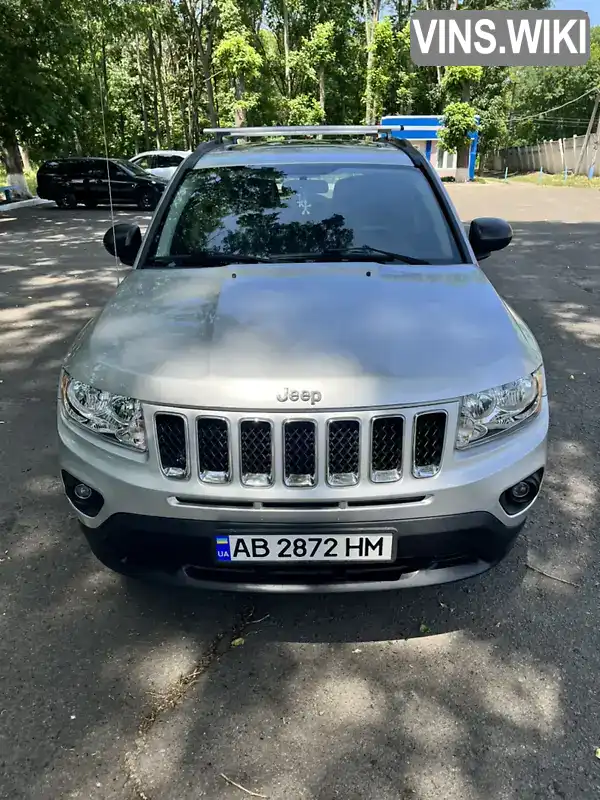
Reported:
(216, 258)
(205, 258)
(363, 253)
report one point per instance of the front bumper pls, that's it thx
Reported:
(446, 528)
(428, 551)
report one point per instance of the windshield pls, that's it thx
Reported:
(303, 209)
(131, 167)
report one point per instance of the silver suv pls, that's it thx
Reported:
(306, 382)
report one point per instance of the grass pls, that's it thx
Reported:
(30, 177)
(580, 181)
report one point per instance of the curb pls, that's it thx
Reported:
(35, 201)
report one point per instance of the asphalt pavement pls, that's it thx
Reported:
(110, 690)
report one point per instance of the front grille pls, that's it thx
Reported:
(302, 452)
(213, 450)
(256, 452)
(430, 430)
(299, 453)
(386, 449)
(172, 445)
(343, 452)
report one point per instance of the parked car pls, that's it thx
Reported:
(160, 162)
(306, 382)
(70, 181)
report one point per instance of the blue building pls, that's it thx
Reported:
(423, 133)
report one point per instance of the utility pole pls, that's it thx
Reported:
(595, 148)
(588, 133)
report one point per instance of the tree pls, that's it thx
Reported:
(459, 114)
(117, 76)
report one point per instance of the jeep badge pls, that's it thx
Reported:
(294, 395)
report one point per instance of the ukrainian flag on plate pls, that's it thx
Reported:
(223, 548)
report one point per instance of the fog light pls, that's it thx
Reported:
(85, 499)
(82, 491)
(518, 497)
(520, 491)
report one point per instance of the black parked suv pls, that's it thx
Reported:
(70, 181)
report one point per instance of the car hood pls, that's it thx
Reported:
(153, 177)
(357, 334)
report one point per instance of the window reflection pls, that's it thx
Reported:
(269, 211)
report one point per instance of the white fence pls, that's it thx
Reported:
(554, 156)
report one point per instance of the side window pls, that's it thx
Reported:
(167, 161)
(71, 169)
(145, 162)
(51, 168)
(96, 171)
(83, 169)
(117, 174)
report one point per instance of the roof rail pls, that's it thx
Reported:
(304, 130)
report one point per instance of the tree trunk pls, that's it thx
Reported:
(322, 89)
(105, 73)
(239, 113)
(192, 98)
(371, 11)
(143, 99)
(286, 49)
(205, 63)
(14, 165)
(154, 87)
(25, 158)
(463, 153)
(175, 67)
(163, 98)
(368, 40)
(77, 140)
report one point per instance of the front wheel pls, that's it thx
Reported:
(91, 204)
(147, 200)
(66, 200)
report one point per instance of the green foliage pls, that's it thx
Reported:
(237, 56)
(153, 73)
(456, 78)
(304, 110)
(459, 122)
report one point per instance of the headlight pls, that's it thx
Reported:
(493, 411)
(113, 416)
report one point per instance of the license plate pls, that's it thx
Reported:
(320, 547)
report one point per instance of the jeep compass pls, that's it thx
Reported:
(306, 382)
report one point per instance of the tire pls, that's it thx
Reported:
(91, 204)
(147, 200)
(66, 200)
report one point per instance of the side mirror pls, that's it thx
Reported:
(487, 234)
(123, 240)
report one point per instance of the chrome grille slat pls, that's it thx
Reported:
(373, 447)
(171, 439)
(428, 443)
(214, 458)
(299, 453)
(387, 440)
(343, 452)
(256, 452)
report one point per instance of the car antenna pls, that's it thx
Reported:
(110, 198)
